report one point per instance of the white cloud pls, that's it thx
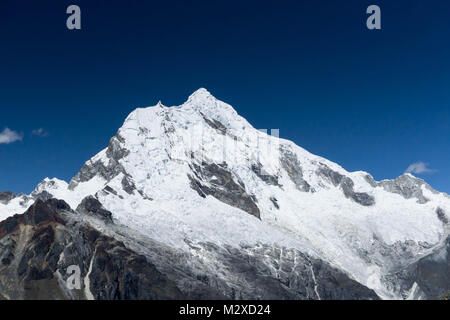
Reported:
(9, 136)
(41, 132)
(419, 167)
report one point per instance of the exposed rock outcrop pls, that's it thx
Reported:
(294, 169)
(407, 186)
(442, 216)
(6, 196)
(109, 170)
(346, 184)
(217, 181)
(38, 247)
(92, 206)
(264, 176)
(427, 278)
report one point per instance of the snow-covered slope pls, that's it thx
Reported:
(199, 172)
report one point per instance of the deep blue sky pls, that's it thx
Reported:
(369, 100)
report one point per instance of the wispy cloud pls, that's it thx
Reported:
(41, 132)
(8, 136)
(419, 167)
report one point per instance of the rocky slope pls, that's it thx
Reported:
(224, 210)
(38, 248)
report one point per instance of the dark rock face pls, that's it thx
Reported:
(433, 273)
(127, 185)
(40, 212)
(6, 197)
(293, 167)
(91, 169)
(114, 152)
(269, 179)
(430, 275)
(92, 206)
(346, 185)
(108, 189)
(359, 197)
(268, 272)
(370, 180)
(37, 248)
(44, 195)
(215, 125)
(275, 202)
(334, 177)
(406, 186)
(442, 216)
(217, 181)
(134, 277)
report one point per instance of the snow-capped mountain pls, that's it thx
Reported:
(211, 196)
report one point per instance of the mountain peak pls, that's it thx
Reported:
(202, 98)
(199, 173)
(204, 102)
(201, 93)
